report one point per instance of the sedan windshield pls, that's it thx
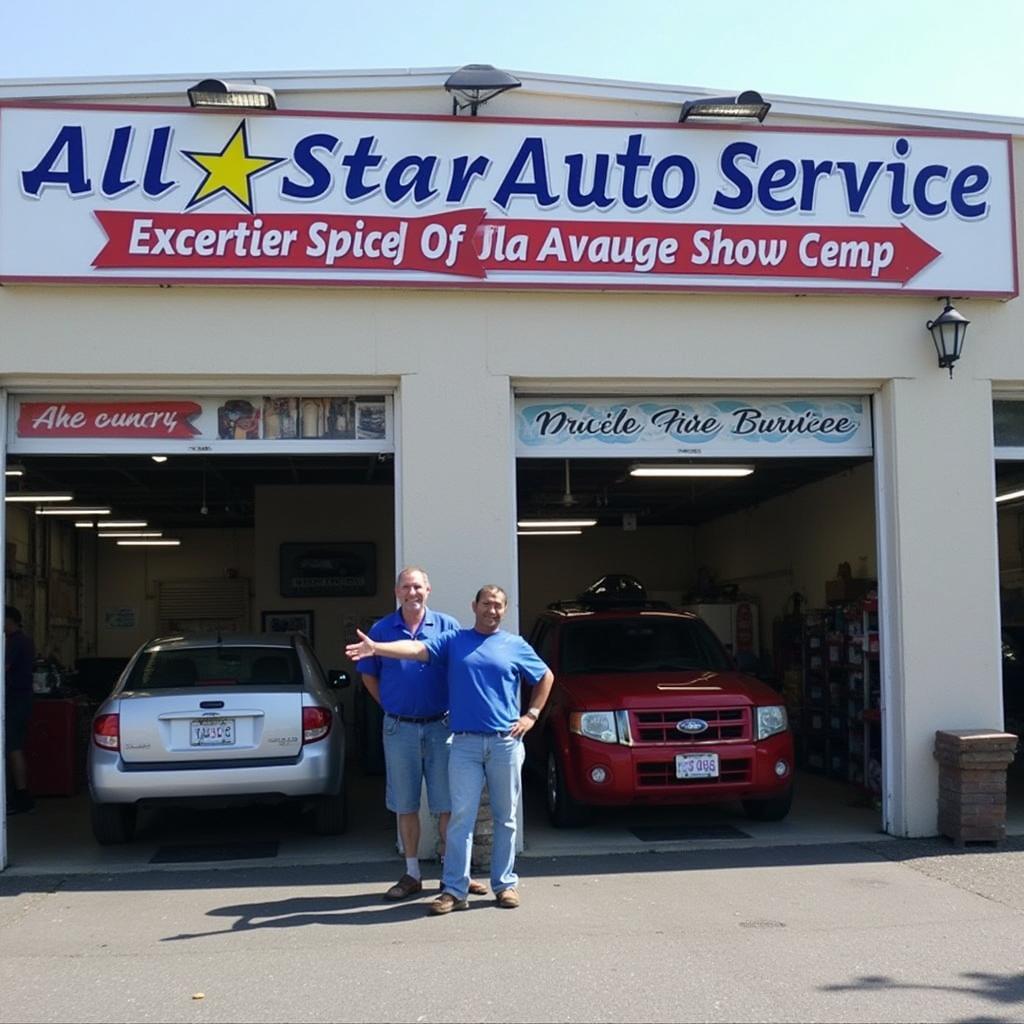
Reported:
(640, 645)
(215, 667)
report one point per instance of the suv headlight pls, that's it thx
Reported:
(771, 720)
(595, 725)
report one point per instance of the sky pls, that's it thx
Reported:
(947, 55)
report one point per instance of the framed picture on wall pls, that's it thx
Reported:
(329, 569)
(288, 622)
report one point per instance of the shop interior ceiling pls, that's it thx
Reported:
(173, 494)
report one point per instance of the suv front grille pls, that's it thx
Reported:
(660, 726)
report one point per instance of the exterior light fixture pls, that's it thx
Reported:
(548, 533)
(747, 104)
(555, 524)
(475, 84)
(216, 93)
(37, 498)
(72, 511)
(948, 331)
(692, 470)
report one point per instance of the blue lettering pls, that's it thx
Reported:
(153, 184)
(69, 145)
(857, 191)
(463, 172)
(598, 194)
(114, 182)
(358, 163)
(810, 173)
(529, 161)
(924, 204)
(778, 175)
(631, 162)
(969, 182)
(304, 157)
(687, 181)
(744, 194)
(423, 167)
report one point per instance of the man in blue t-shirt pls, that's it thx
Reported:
(484, 666)
(414, 696)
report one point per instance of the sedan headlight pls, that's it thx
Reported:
(595, 725)
(771, 720)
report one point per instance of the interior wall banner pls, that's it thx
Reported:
(145, 194)
(693, 427)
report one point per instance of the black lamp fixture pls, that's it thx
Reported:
(216, 93)
(473, 85)
(948, 331)
(747, 104)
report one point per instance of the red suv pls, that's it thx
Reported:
(648, 708)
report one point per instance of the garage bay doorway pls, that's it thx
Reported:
(280, 515)
(756, 514)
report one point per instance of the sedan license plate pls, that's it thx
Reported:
(696, 766)
(218, 732)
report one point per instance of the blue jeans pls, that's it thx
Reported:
(414, 752)
(476, 758)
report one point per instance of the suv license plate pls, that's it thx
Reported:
(217, 733)
(696, 766)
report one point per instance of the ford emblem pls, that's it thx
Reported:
(692, 726)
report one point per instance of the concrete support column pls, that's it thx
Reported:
(938, 581)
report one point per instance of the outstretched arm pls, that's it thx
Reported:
(410, 650)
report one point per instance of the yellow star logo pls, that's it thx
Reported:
(230, 171)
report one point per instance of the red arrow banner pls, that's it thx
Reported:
(107, 419)
(465, 244)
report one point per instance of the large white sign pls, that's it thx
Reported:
(693, 427)
(144, 194)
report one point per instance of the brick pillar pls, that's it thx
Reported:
(483, 834)
(972, 783)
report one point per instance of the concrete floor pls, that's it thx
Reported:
(56, 837)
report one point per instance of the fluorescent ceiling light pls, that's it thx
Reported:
(14, 471)
(555, 523)
(72, 511)
(148, 543)
(159, 458)
(692, 470)
(130, 533)
(86, 523)
(123, 524)
(38, 497)
(548, 533)
(1011, 496)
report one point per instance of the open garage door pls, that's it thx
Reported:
(756, 516)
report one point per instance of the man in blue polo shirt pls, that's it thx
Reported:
(485, 667)
(414, 697)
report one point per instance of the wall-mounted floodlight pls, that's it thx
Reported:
(475, 84)
(214, 92)
(747, 104)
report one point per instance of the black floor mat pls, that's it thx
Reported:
(659, 833)
(213, 851)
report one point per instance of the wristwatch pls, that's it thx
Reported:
(533, 713)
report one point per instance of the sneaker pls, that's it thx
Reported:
(446, 903)
(507, 899)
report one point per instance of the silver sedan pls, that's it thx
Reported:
(223, 719)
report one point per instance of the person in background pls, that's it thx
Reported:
(414, 697)
(20, 656)
(484, 667)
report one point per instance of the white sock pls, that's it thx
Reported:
(412, 867)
